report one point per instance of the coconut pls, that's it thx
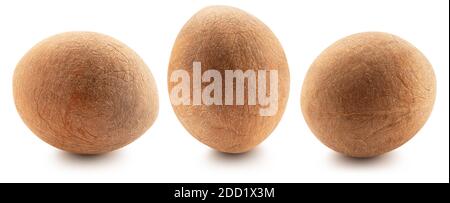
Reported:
(219, 49)
(85, 93)
(368, 94)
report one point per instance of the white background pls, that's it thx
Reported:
(167, 153)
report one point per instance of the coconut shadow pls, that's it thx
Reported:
(88, 160)
(249, 157)
(381, 161)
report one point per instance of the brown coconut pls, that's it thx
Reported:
(368, 94)
(226, 38)
(85, 93)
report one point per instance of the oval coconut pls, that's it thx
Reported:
(225, 38)
(85, 93)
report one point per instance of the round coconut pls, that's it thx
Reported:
(85, 93)
(368, 94)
